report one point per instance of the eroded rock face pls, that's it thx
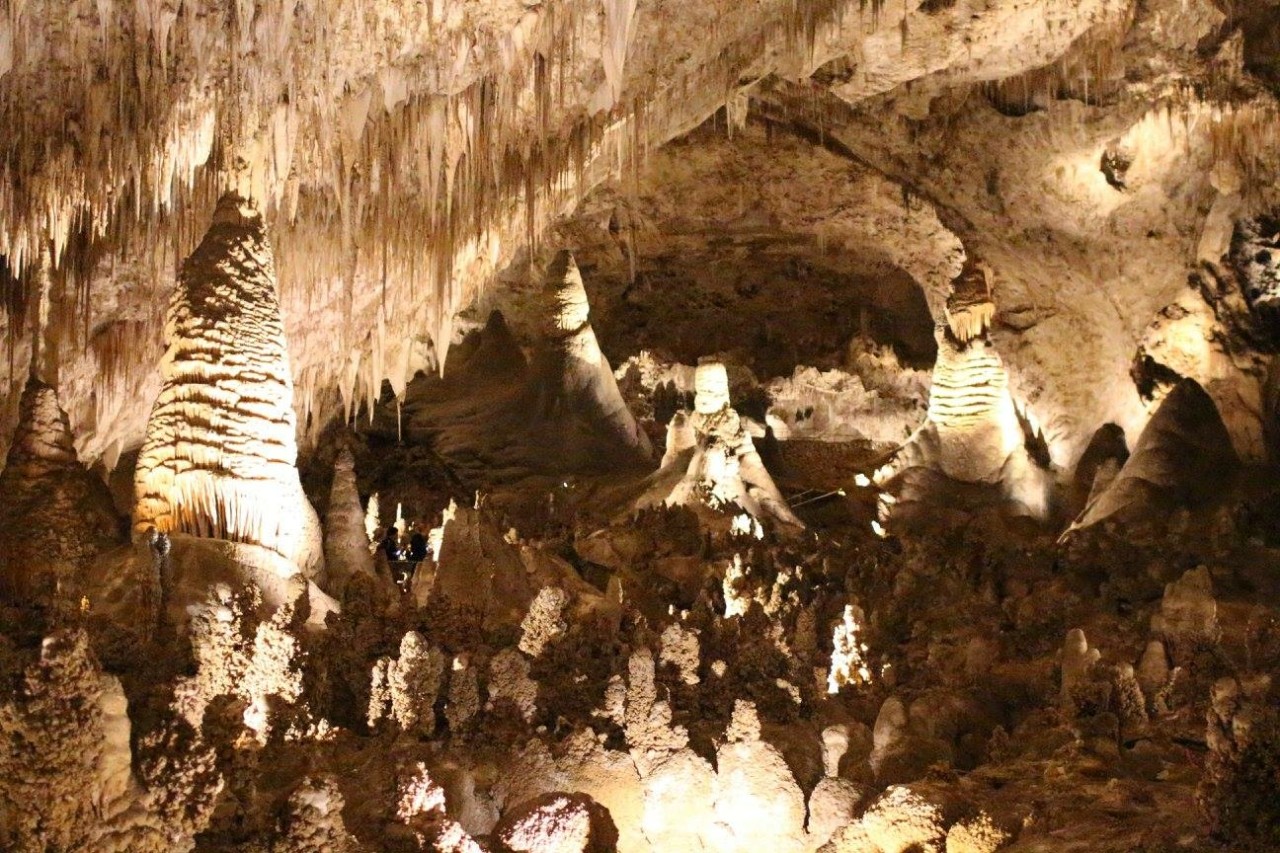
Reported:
(220, 453)
(55, 516)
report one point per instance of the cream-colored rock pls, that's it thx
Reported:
(346, 543)
(758, 804)
(978, 834)
(901, 820)
(680, 649)
(572, 371)
(723, 468)
(832, 805)
(220, 454)
(1077, 662)
(544, 622)
(1188, 612)
(55, 517)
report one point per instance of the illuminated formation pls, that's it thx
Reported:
(972, 433)
(575, 374)
(766, 547)
(720, 466)
(219, 456)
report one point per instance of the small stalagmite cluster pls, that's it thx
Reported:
(714, 458)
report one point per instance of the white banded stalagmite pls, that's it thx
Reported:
(972, 430)
(219, 458)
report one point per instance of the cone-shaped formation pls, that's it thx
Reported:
(54, 515)
(220, 450)
(1183, 458)
(720, 463)
(573, 373)
(346, 548)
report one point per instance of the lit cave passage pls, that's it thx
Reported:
(590, 426)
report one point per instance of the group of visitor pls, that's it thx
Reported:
(404, 552)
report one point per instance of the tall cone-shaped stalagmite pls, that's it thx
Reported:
(346, 548)
(220, 450)
(55, 516)
(573, 372)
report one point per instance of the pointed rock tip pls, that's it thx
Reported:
(234, 209)
(569, 309)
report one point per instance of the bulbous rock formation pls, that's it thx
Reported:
(720, 465)
(54, 515)
(573, 372)
(220, 450)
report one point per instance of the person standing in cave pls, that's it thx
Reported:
(417, 547)
(415, 553)
(391, 544)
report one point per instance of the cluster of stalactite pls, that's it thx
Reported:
(394, 181)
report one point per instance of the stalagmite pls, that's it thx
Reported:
(219, 456)
(54, 515)
(346, 550)
(972, 433)
(1183, 458)
(722, 467)
(573, 374)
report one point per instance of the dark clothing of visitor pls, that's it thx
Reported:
(391, 546)
(417, 547)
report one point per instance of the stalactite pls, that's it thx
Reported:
(445, 162)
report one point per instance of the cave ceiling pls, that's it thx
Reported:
(408, 156)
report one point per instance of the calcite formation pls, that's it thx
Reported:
(721, 468)
(574, 373)
(907, 287)
(220, 455)
(346, 551)
(972, 428)
(55, 515)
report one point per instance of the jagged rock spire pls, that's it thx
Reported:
(220, 451)
(55, 516)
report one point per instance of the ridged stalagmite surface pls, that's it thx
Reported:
(220, 451)
(971, 408)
